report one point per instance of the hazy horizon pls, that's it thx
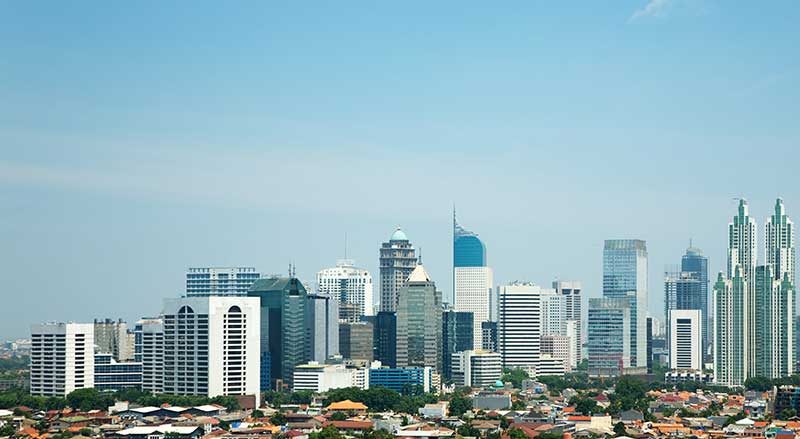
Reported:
(139, 139)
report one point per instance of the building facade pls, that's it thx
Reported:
(476, 368)
(149, 350)
(211, 346)
(112, 337)
(625, 277)
(397, 260)
(573, 306)
(456, 337)
(608, 336)
(686, 344)
(322, 326)
(384, 338)
(350, 285)
(472, 279)
(419, 322)
(402, 379)
(111, 375)
(356, 341)
(219, 281)
(284, 342)
(519, 325)
(489, 341)
(62, 358)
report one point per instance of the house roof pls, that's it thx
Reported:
(346, 405)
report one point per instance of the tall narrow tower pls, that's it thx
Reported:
(472, 279)
(742, 253)
(779, 243)
(625, 277)
(397, 260)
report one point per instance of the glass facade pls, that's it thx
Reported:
(468, 249)
(625, 277)
(456, 337)
(608, 336)
(402, 379)
(112, 376)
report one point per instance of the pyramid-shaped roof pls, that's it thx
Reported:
(419, 275)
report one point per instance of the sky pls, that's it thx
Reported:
(141, 138)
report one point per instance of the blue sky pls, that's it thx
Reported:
(137, 139)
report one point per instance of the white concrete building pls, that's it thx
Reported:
(572, 293)
(476, 368)
(62, 358)
(219, 281)
(559, 346)
(319, 378)
(686, 334)
(548, 365)
(212, 346)
(553, 313)
(348, 284)
(322, 326)
(149, 350)
(519, 325)
(473, 288)
(112, 337)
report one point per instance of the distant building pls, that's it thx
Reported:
(609, 336)
(351, 286)
(686, 344)
(560, 347)
(356, 341)
(385, 338)
(219, 281)
(489, 401)
(419, 322)
(519, 326)
(489, 340)
(397, 260)
(403, 378)
(472, 279)
(110, 375)
(550, 366)
(211, 346)
(573, 298)
(111, 337)
(149, 350)
(320, 378)
(476, 368)
(62, 358)
(284, 342)
(322, 326)
(456, 337)
(625, 277)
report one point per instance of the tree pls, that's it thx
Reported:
(619, 429)
(629, 393)
(339, 416)
(586, 406)
(86, 432)
(89, 399)
(517, 433)
(7, 430)
(787, 413)
(759, 384)
(256, 414)
(468, 430)
(277, 419)
(550, 435)
(459, 404)
(515, 376)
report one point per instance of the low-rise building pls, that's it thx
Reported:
(476, 368)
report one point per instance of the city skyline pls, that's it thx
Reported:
(217, 142)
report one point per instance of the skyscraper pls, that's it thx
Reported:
(456, 337)
(322, 326)
(385, 337)
(112, 337)
(219, 281)
(625, 277)
(608, 336)
(519, 324)
(687, 289)
(356, 341)
(349, 285)
(731, 343)
(774, 322)
(571, 291)
(211, 346)
(284, 344)
(685, 346)
(419, 322)
(472, 279)
(62, 358)
(397, 260)
(149, 350)
(779, 245)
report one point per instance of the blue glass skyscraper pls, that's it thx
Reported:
(625, 277)
(468, 249)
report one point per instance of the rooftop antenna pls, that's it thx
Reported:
(419, 260)
(345, 245)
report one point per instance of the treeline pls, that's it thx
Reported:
(92, 399)
(14, 364)
(381, 399)
(762, 384)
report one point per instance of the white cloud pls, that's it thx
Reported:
(653, 8)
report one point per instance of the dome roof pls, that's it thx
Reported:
(398, 235)
(499, 384)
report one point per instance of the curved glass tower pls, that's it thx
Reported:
(472, 279)
(468, 249)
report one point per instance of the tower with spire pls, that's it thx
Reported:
(472, 279)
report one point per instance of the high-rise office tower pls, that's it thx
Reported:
(397, 260)
(687, 289)
(696, 263)
(686, 344)
(456, 337)
(519, 324)
(553, 312)
(608, 336)
(385, 337)
(111, 337)
(419, 322)
(472, 279)
(571, 291)
(322, 327)
(149, 350)
(350, 285)
(476, 368)
(219, 281)
(284, 344)
(211, 346)
(62, 358)
(625, 277)
(731, 343)
(356, 341)
(780, 255)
